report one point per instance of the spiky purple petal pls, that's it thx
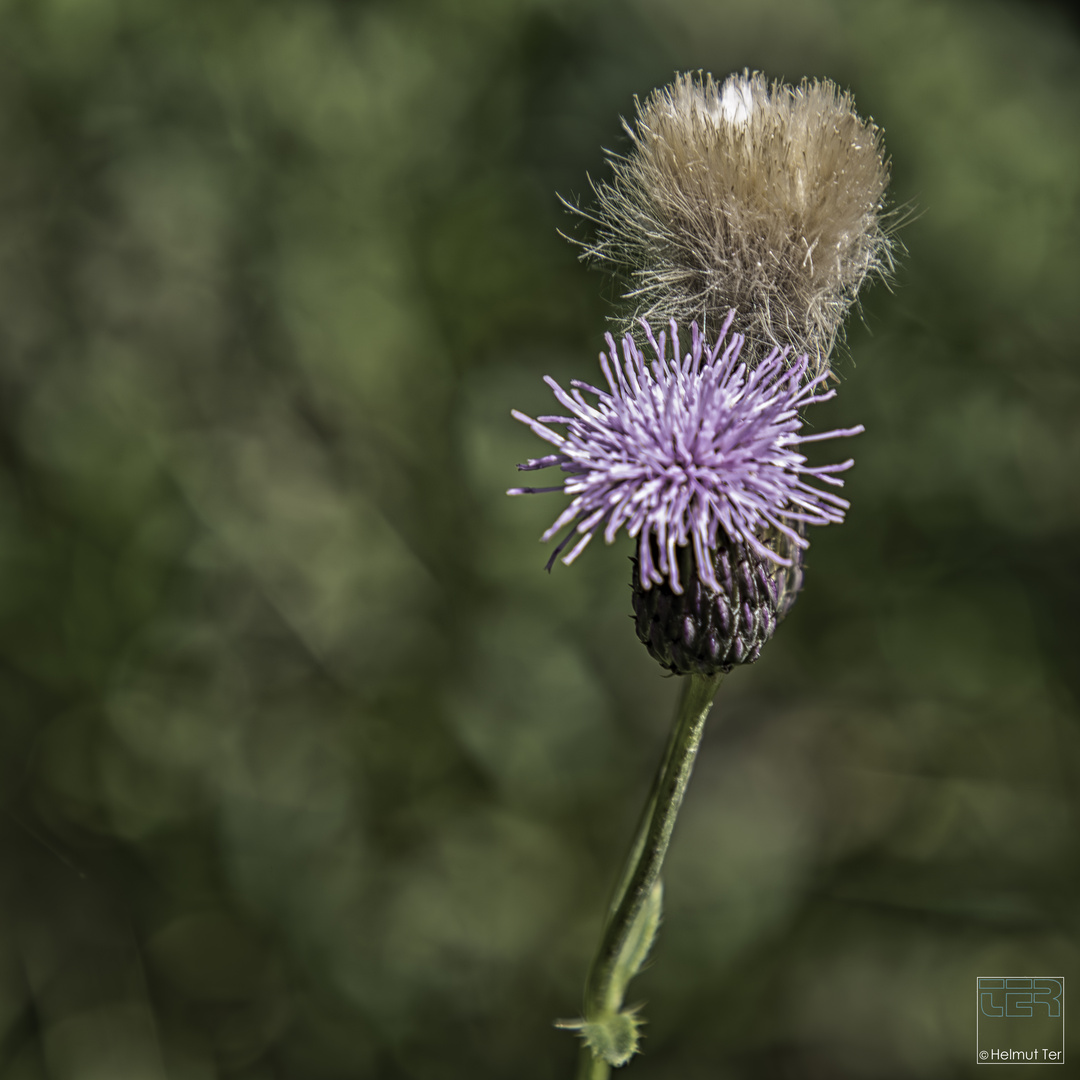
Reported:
(678, 449)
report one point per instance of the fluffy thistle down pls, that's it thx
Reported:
(765, 199)
(690, 448)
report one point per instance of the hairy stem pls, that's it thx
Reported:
(635, 908)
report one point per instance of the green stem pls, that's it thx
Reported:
(636, 900)
(591, 1067)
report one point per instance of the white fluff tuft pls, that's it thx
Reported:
(765, 199)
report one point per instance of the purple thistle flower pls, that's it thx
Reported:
(678, 450)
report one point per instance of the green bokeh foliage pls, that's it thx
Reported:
(307, 769)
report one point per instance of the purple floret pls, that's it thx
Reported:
(679, 450)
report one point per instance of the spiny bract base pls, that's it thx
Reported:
(699, 631)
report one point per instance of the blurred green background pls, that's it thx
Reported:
(307, 770)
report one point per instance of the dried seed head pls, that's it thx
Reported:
(766, 199)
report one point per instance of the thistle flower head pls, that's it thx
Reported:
(766, 199)
(687, 449)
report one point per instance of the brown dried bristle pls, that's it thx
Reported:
(763, 198)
